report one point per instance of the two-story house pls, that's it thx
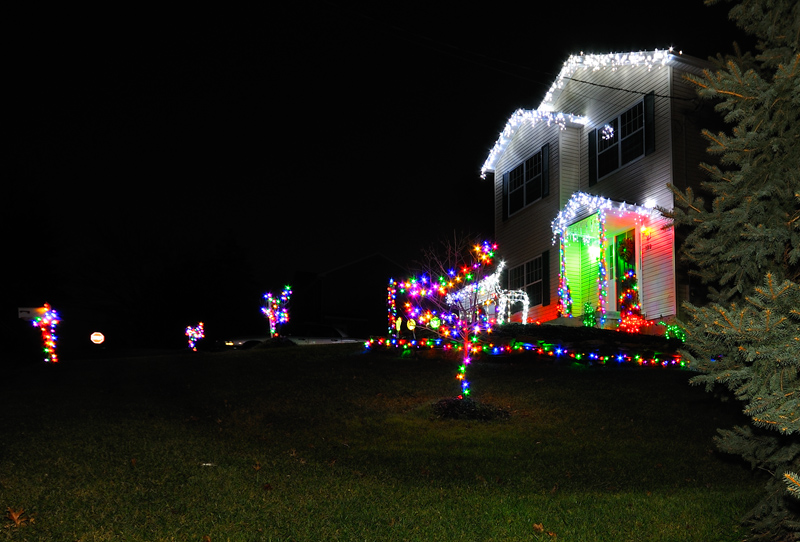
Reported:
(578, 180)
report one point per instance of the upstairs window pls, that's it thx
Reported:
(527, 183)
(622, 139)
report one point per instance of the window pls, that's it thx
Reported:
(527, 183)
(532, 276)
(622, 139)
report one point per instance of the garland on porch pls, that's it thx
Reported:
(602, 270)
(564, 294)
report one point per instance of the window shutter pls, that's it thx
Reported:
(649, 123)
(505, 196)
(592, 157)
(545, 277)
(546, 169)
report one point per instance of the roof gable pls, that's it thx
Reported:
(593, 63)
(517, 119)
(546, 110)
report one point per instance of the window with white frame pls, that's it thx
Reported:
(530, 278)
(622, 139)
(527, 183)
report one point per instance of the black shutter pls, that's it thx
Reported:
(649, 123)
(546, 169)
(505, 196)
(592, 157)
(545, 277)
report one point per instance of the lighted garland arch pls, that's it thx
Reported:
(580, 206)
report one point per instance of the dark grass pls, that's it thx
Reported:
(333, 444)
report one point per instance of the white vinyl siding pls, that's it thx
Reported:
(569, 164)
(657, 278)
(527, 235)
(641, 179)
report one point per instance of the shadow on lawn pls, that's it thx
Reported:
(457, 408)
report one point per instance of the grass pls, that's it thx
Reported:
(328, 443)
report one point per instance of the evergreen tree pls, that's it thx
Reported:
(745, 246)
(755, 347)
(752, 225)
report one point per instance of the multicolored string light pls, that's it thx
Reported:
(602, 271)
(564, 293)
(194, 334)
(456, 306)
(544, 348)
(631, 319)
(276, 309)
(391, 305)
(47, 322)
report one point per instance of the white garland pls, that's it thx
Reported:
(545, 112)
(517, 119)
(609, 61)
(488, 290)
(582, 200)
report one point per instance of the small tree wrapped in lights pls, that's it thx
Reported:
(276, 309)
(589, 315)
(46, 321)
(194, 334)
(630, 312)
(453, 296)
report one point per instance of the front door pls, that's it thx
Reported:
(625, 267)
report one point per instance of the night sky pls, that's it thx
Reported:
(173, 166)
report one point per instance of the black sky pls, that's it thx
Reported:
(190, 158)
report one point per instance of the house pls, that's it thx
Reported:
(579, 179)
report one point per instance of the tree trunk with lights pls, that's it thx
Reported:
(446, 296)
(448, 299)
(745, 246)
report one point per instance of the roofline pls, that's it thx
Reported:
(517, 119)
(598, 62)
(595, 62)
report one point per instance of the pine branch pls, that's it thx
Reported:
(792, 483)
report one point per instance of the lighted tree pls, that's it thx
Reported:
(194, 334)
(630, 310)
(453, 296)
(745, 245)
(589, 315)
(276, 309)
(46, 321)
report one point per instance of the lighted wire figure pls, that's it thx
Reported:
(47, 322)
(276, 309)
(195, 334)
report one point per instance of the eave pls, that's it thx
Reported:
(545, 112)
(517, 120)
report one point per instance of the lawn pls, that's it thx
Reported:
(330, 443)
